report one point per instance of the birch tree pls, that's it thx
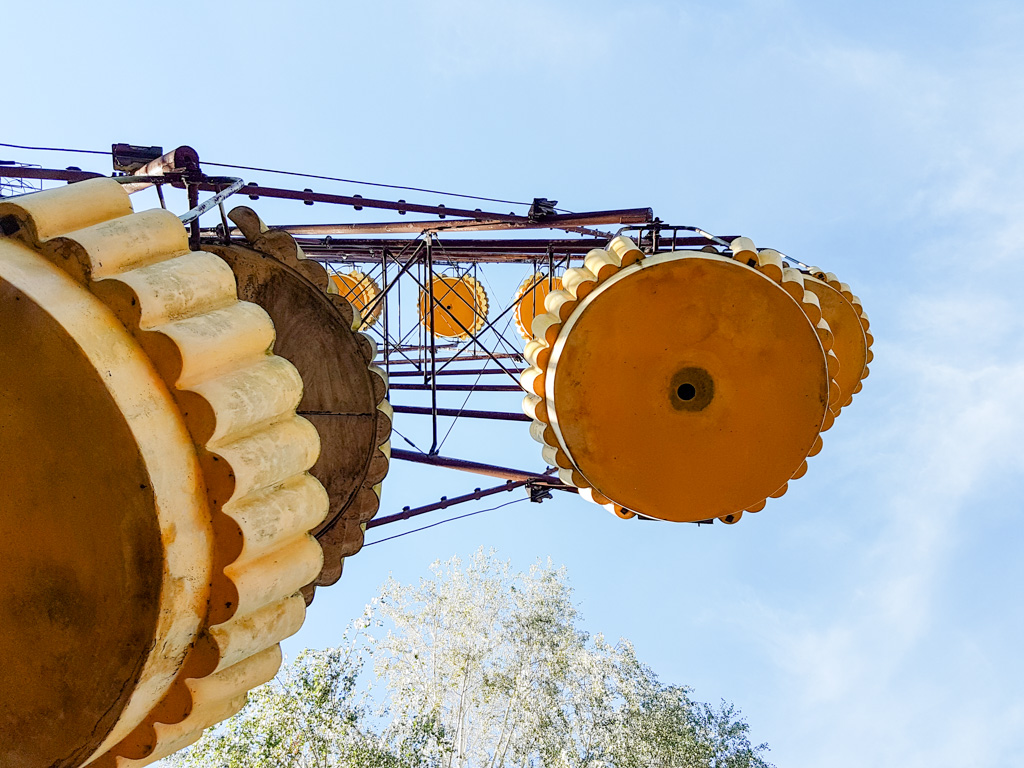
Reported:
(476, 666)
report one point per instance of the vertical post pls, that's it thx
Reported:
(223, 223)
(533, 278)
(384, 310)
(429, 254)
(193, 201)
(476, 279)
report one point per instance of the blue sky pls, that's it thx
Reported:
(872, 615)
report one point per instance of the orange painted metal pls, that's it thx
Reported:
(360, 291)
(849, 325)
(150, 437)
(682, 386)
(530, 298)
(459, 307)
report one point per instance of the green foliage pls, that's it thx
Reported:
(480, 668)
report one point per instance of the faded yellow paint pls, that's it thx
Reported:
(461, 307)
(344, 392)
(529, 300)
(684, 386)
(149, 436)
(360, 291)
(711, 400)
(105, 536)
(849, 328)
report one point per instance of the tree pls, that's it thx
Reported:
(307, 717)
(480, 667)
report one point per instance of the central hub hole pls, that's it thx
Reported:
(686, 391)
(691, 389)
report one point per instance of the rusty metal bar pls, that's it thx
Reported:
(461, 413)
(48, 174)
(390, 227)
(459, 387)
(368, 202)
(529, 246)
(362, 250)
(386, 288)
(476, 467)
(424, 361)
(657, 227)
(192, 190)
(557, 221)
(192, 215)
(183, 158)
(379, 298)
(486, 219)
(428, 253)
(287, 194)
(445, 502)
(456, 372)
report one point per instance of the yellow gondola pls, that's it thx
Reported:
(458, 310)
(144, 590)
(682, 386)
(361, 291)
(529, 300)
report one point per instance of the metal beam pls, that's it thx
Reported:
(424, 361)
(483, 251)
(478, 219)
(49, 174)
(357, 202)
(307, 196)
(476, 467)
(460, 413)
(453, 372)
(445, 502)
(557, 221)
(459, 387)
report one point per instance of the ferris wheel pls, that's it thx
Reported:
(204, 408)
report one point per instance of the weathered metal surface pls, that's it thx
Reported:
(553, 221)
(453, 307)
(472, 251)
(231, 187)
(529, 300)
(357, 202)
(84, 532)
(159, 594)
(459, 387)
(408, 513)
(851, 328)
(681, 386)
(50, 174)
(476, 467)
(182, 159)
(450, 372)
(361, 291)
(460, 413)
(343, 392)
(131, 157)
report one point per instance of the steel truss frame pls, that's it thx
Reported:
(416, 357)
